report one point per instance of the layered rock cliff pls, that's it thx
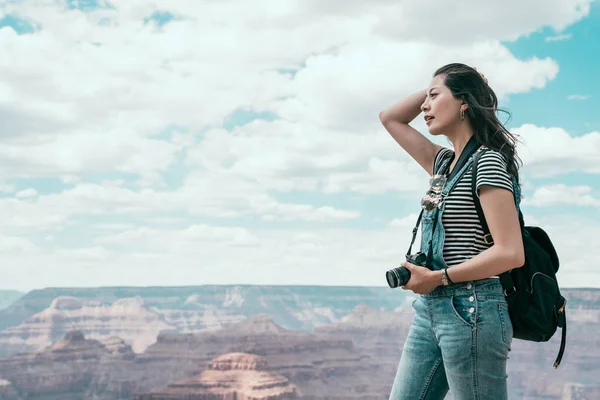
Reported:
(237, 376)
(354, 357)
(198, 308)
(128, 319)
(87, 367)
(8, 297)
(310, 361)
(69, 369)
(7, 391)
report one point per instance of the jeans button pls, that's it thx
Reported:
(471, 298)
(469, 286)
(471, 309)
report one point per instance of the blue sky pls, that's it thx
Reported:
(578, 57)
(190, 144)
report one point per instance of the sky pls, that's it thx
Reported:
(169, 143)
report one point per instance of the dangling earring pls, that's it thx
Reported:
(462, 115)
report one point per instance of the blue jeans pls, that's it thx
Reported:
(459, 341)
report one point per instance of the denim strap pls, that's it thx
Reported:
(461, 166)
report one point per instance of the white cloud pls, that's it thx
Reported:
(182, 241)
(84, 152)
(93, 111)
(10, 245)
(560, 194)
(6, 188)
(578, 258)
(204, 254)
(97, 95)
(308, 158)
(209, 195)
(558, 38)
(103, 227)
(31, 192)
(349, 88)
(552, 151)
(578, 97)
(404, 223)
(221, 194)
(70, 179)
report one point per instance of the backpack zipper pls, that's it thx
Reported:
(562, 308)
(538, 273)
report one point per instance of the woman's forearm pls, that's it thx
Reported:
(405, 110)
(490, 262)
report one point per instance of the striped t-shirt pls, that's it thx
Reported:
(464, 234)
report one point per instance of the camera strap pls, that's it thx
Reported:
(470, 148)
(414, 233)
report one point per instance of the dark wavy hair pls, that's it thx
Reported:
(466, 83)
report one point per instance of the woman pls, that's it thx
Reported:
(461, 332)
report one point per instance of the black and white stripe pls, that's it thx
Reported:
(464, 234)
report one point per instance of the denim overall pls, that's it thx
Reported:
(460, 335)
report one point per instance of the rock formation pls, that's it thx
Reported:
(69, 369)
(127, 318)
(75, 347)
(117, 346)
(237, 376)
(197, 308)
(310, 361)
(7, 391)
(355, 357)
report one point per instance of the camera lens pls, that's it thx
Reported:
(397, 277)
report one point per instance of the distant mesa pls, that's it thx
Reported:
(136, 301)
(363, 317)
(259, 324)
(75, 336)
(194, 299)
(239, 376)
(128, 318)
(73, 339)
(76, 346)
(117, 346)
(7, 391)
(66, 303)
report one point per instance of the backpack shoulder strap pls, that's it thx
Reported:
(487, 236)
(505, 278)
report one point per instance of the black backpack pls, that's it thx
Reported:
(535, 304)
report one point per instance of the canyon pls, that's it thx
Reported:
(323, 342)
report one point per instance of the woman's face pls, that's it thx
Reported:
(441, 110)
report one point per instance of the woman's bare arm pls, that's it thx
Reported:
(507, 251)
(396, 120)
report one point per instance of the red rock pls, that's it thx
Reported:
(233, 376)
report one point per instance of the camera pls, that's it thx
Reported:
(399, 276)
